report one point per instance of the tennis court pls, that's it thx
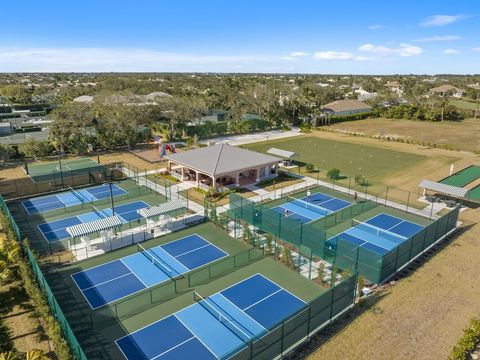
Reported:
(57, 230)
(69, 198)
(117, 279)
(310, 208)
(69, 167)
(379, 234)
(215, 327)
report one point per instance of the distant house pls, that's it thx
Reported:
(346, 107)
(363, 95)
(394, 86)
(447, 90)
(474, 86)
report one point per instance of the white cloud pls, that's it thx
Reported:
(339, 55)
(124, 59)
(376, 27)
(299, 54)
(333, 55)
(476, 49)
(439, 38)
(403, 50)
(441, 20)
(451, 51)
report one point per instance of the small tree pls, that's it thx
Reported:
(360, 286)
(309, 167)
(321, 270)
(333, 174)
(361, 180)
(6, 152)
(287, 258)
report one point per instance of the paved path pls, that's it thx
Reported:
(250, 138)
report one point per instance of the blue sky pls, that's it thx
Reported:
(303, 36)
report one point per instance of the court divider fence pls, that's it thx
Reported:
(43, 284)
(162, 292)
(55, 307)
(309, 240)
(300, 327)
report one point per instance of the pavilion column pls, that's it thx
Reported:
(214, 182)
(169, 167)
(257, 176)
(183, 173)
(197, 178)
(237, 179)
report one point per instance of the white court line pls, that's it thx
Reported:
(189, 251)
(103, 282)
(193, 333)
(146, 287)
(243, 312)
(266, 297)
(174, 347)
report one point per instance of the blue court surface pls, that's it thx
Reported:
(311, 208)
(216, 327)
(114, 280)
(42, 204)
(57, 230)
(380, 234)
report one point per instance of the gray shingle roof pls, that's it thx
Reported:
(221, 159)
(346, 105)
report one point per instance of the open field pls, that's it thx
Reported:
(462, 104)
(399, 182)
(351, 159)
(463, 135)
(423, 315)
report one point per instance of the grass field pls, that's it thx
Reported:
(463, 135)
(351, 159)
(462, 104)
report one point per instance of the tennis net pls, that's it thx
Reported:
(378, 231)
(101, 214)
(77, 195)
(226, 321)
(156, 261)
(308, 206)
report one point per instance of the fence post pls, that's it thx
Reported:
(386, 195)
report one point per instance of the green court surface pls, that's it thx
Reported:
(98, 329)
(475, 193)
(53, 169)
(463, 177)
(351, 159)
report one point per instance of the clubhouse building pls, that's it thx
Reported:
(222, 165)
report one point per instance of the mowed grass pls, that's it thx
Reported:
(352, 159)
(465, 105)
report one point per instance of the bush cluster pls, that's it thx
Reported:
(40, 304)
(468, 342)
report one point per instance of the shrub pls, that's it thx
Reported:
(468, 342)
(333, 174)
(309, 167)
(361, 180)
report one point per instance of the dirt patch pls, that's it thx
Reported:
(465, 135)
(18, 315)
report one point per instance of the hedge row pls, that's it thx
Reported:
(468, 342)
(37, 299)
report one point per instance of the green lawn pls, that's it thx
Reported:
(351, 159)
(462, 104)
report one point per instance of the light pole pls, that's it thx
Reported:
(60, 167)
(111, 198)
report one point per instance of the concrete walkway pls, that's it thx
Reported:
(250, 138)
